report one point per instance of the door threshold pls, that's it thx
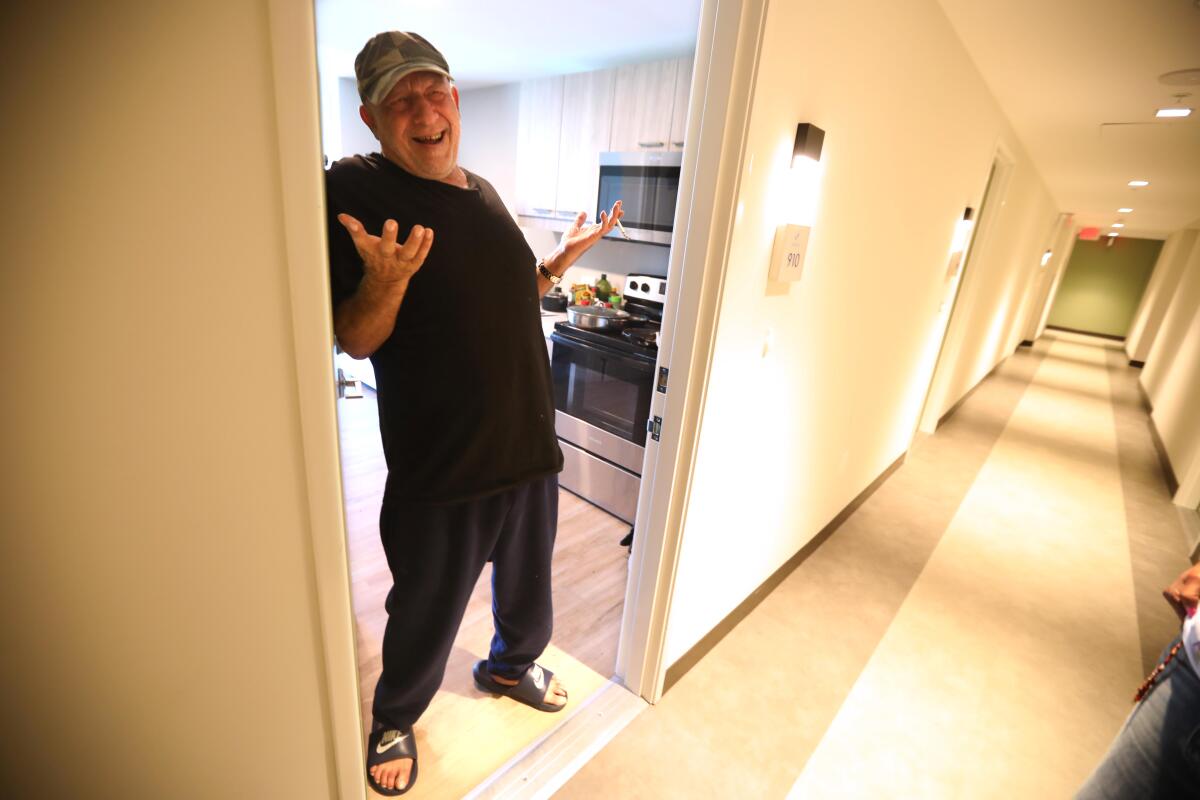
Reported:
(544, 766)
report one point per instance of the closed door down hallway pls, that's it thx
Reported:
(974, 630)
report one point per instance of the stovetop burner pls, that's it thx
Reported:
(613, 340)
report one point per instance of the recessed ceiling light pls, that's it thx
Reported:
(1118, 225)
(1135, 184)
(1173, 112)
(1124, 210)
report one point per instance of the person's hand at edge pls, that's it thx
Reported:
(1184, 593)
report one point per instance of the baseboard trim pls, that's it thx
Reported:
(1136, 364)
(1163, 459)
(1145, 397)
(713, 637)
(1112, 336)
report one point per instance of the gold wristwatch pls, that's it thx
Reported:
(545, 272)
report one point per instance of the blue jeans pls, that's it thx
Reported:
(1157, 752)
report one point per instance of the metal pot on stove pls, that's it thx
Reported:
(599, 318)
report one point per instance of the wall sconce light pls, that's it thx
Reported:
(958, 245)
(791, 239)
(809, 139)
(962, 231)
(1046, 257)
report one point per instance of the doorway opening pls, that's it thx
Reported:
(465, 735)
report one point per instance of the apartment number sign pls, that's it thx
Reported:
(787, 255)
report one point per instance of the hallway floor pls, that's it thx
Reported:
(974, 630)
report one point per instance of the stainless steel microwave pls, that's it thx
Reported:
(647, 184)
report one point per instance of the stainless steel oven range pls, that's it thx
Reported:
(603, 383)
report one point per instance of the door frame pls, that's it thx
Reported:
(728, 44)
(991, 204)
(294, 61)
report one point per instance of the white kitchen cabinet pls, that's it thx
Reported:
(642, 106)
(679, 105)
(587, 113)
(539, 130)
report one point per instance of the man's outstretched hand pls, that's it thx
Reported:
(385, 261)
(1184, 593)
(581, 236)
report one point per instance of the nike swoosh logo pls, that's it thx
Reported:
(387, 743)
(539, 677)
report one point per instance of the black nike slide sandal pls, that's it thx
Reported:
(386, 745)
(530, 690)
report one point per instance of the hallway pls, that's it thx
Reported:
(975, 629)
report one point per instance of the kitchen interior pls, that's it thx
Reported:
(593, 119)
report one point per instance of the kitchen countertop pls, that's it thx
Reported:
(549, 318)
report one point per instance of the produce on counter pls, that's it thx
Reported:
(582, 294)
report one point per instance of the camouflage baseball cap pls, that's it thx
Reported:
(388, 57)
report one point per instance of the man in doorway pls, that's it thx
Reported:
(466, 411)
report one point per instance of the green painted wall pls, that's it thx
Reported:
(1103, 285)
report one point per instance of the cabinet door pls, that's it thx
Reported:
(586, 129)
(642, 106)
(539, 129)
(679, 109)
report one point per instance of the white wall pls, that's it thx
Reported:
(161, 630)
(355, 137)
(1044, 283)
(1064, 248)
(489, 137)
(815, 389)
(1159, 293)
(1171, 379)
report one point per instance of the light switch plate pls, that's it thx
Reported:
(787, 256)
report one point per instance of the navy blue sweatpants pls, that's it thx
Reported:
(436, 555)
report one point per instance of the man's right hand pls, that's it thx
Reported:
(365, 320)
(385, 261)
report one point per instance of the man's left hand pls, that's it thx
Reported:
(581, 236)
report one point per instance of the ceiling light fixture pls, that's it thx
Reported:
(1118, 225)
(1176, 109)
(1113, 235)
(1124, 210)
(1136, 184)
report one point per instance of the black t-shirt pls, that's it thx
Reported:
(466, 407)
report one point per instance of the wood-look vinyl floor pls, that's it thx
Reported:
(466, 735)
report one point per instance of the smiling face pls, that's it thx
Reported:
(418, 125)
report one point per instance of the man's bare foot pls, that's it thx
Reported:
(397, 773)
(556, 695)
(392, 774)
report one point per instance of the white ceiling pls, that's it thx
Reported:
(1060, 69)
(488, 43)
